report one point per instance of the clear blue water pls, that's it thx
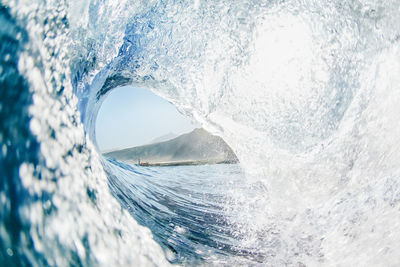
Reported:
(184, 206)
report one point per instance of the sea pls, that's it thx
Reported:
(305, 92)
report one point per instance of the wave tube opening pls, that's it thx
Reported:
(184, 206)
(131, 117)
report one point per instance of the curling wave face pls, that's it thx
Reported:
(305, 92)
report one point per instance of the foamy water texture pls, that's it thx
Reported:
(307, 94)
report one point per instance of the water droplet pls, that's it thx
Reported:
(10, 252)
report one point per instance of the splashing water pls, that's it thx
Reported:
(305, 92)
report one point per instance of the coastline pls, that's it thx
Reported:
(181, 163)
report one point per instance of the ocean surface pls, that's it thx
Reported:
(305, 92)
(185, 207)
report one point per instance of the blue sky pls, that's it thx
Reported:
(132, 116)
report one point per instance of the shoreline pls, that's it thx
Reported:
(182, 163)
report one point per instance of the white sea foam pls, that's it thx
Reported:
(305, 92)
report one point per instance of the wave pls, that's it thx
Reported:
(305, 92)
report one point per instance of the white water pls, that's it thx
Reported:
(305, 92)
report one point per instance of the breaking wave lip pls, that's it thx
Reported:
(306, 93)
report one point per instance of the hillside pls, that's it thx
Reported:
(163, 138)
(196, 146)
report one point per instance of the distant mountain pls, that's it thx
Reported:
(163, 138)
(198, 145)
